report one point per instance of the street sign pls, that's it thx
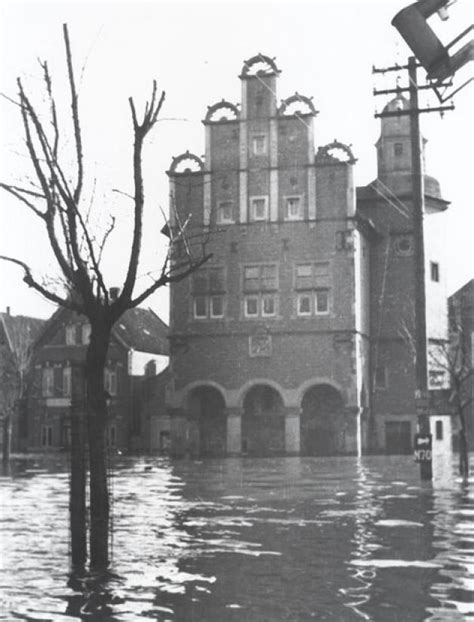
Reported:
(423, 445)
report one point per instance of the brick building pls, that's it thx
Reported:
(295, 337)
(137, 356)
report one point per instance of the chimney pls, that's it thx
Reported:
(8, 310)
(114, 293)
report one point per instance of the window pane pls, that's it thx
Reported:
(86, 333)
(71, 335)
(200, 306)
(259, 144)
(251, 306)
(304, 305)
(322, 302)
(251, 278)
(224, 212)
(321, 274)
(259, 211)
(293, 205)
(67, 381)
(268, 306)
(304, 276)
(217, 306)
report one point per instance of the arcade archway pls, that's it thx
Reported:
(322, 421)
(263, 422)
(206, 422)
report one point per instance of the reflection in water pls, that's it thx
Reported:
(272, 540)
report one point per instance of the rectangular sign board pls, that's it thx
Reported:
(423, 446)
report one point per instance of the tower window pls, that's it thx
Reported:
(225, 212)
(259, 144)
(258, 208)
(398, 149)
(434, 271)
(293, 208)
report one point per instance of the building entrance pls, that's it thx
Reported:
(263, 422)
(322, 421)
(207, 422)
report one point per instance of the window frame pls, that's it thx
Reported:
(317, 292)
(299, 297)
(253, 200)
(47, 382)
(67, 381)
(286, 215)
(247, 299)
(211, 306)
(204, 298)
(264, 297)
(71, 335)
(435, 271)
(256, 151)
(225, 221)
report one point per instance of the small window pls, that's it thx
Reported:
(293, 208)
(322, 301)
(398, 149)
(268, 306)
(85, 333)
(434, 271)
(225, 211)
(439, 430)
(47, 436)
(71, 335)
(258, 206)
(200, 307)
(304, 304)
(217, 306)
(67, 381)
(404, 245)
(48, 382)
(259, 144)
(110, 381)
(251, 306)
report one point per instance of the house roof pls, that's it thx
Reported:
(21, 329)
(143, 330)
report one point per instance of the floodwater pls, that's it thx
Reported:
(251, 540)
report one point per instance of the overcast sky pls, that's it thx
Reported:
(324, 48)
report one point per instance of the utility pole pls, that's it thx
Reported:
(423, 437)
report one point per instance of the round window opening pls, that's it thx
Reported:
(404, 245)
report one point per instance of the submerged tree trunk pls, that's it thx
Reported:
(463, 448)
(77, 491)
(7, 439)
(97, 416)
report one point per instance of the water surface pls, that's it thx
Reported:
(251, 540)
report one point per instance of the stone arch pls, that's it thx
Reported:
(335, 153)
(287, 105)
(186, 163)
(260, 65)
(322, 421)
(205, 407)
(222, 106)
(263, 421)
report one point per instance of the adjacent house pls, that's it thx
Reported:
(138, 350)
(17, 336)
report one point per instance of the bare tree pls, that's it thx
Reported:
(57, 200)
(14, 367)
(452, 360)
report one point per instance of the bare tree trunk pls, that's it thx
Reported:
(97, 415)
(77, 491)
(7, 439)
(463, 449)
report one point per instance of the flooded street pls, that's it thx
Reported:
(264, 540)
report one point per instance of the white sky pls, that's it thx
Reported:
(325, 49)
